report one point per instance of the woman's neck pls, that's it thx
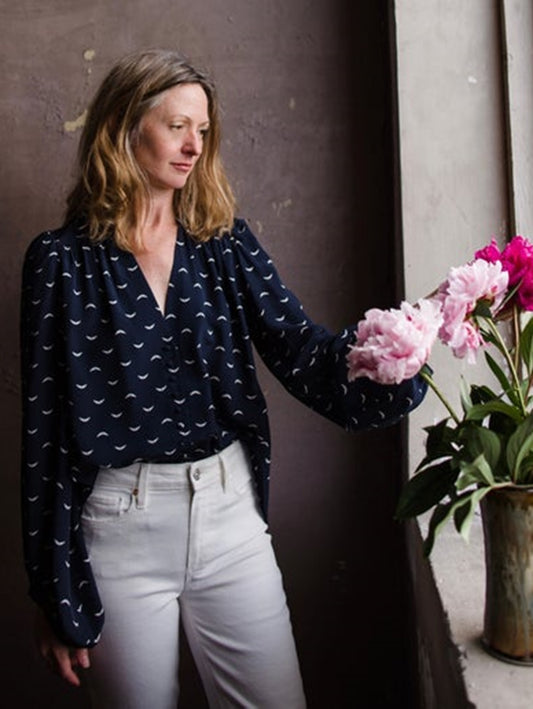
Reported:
(158, 223)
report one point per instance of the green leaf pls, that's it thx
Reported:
(519, 446)
(426, 489)
(526, 345)
(439, 442)
(526, 470)
(510, 295)
(502, 425)
(489, 337)
(461, 513)
(481, 411)
(523, 466)
(524, 387)
(464, 514)
(466, 401)
(477, 441)
(500, 375)
(482, 394)
(468, 476)
(440, 515)
(462, 507)
(475, 472)
(482, 310)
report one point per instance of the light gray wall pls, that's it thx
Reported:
(305, 89)
(465, 80)
(453, 167)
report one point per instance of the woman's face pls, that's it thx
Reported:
(170, 137)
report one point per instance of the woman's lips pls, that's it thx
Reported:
(182, 166)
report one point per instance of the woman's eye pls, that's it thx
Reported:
(177, 126)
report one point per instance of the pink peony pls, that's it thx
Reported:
(393, 345)
(459, 295)
(517, 260)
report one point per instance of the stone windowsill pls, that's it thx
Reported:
(459, 572)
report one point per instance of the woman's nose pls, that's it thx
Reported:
(193, 143)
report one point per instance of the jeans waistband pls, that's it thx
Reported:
(140, 478)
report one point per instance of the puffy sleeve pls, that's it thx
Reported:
(308, 360)
(59, 574)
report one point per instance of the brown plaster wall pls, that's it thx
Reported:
(305, 88)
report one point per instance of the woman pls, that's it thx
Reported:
(146, 443)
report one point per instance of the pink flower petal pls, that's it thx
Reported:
(393, 345)
(460, 294)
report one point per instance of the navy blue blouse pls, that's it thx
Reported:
(108, 379)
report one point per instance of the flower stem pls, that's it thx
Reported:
(426, 376)
(516, 339)
(506, 354)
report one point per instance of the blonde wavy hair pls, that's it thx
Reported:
(111, 190)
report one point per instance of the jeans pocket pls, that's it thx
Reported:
(243, 486)
(243, 499)
(106, 507)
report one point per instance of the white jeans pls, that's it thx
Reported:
(187, 539)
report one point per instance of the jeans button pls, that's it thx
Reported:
(196, 475)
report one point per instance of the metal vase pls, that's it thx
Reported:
(508, 532)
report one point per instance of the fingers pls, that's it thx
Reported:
(81, 657)
(64, 665)
(60, 658)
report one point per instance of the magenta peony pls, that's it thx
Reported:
(393, 345)
(517, 259)
(465, 287)
(490, 253)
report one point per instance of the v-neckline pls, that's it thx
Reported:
(148, 288)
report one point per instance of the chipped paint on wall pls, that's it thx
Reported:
(89, 55)
(278, 207)
(76, 124)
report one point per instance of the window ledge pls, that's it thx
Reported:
(459, 574)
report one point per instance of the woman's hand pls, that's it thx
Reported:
(61, 658)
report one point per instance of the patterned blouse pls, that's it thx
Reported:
(108, 380)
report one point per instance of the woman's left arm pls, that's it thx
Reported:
(308, 360)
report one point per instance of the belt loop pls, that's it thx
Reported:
(140, 492)
(223, 473)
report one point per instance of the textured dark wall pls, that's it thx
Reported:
(306, 97)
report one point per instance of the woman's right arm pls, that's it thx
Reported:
(42, 453)
(48, 497)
